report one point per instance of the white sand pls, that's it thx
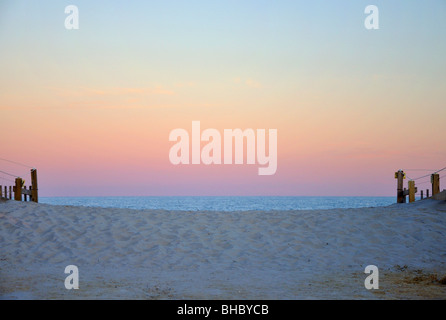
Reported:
(155, 254)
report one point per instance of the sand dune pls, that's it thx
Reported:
(156, 254)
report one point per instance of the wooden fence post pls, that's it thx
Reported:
(435, 180)
(10, 192)
(1, 192)
(427, 193)
(400, 198)
(421, 194)
(411, 191)
(18, 189)
(34, 192)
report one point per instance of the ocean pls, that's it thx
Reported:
(222, 203)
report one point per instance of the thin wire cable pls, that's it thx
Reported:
(5, 179)
(422, 183)
(425, 178)
(408, 177)
(9, 174)
(440, 170)
(427, 175)
(21, 164)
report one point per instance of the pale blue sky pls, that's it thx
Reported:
(342, 97)
(275, 39)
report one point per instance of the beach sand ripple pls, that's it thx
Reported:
(157, 254)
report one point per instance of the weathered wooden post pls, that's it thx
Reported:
(6, 192)
(412, 191)
(10, 192)
(435, 180)
(1, 192)
(427, 193)
(421, 194)
(34, 192)
(400, 197)
(18, 189)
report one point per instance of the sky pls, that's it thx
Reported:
(92, 108)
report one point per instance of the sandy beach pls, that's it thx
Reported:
(157, 254)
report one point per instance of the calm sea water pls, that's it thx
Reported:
(222, 203)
